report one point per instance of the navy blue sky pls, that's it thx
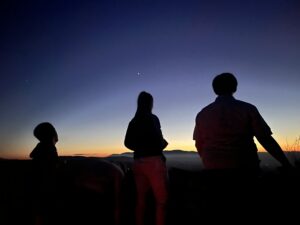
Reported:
(81, 65)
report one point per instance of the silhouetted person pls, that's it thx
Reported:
(145, 138)
(225, 130)
(45, 159)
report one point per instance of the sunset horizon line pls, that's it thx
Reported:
(107, 155)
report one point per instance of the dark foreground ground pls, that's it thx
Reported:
(196, 197)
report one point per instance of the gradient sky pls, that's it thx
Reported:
(81, 64)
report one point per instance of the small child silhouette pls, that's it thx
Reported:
(45, 150)
(45, 159)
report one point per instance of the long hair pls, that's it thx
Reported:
(144, 103)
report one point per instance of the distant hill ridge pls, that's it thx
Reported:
(167, 152)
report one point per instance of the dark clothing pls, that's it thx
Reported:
(44, 158)
(44, 152)
(144, 136)
(224, 134)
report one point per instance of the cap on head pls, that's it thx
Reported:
(225, 84)
(45, 132)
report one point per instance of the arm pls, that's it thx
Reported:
(271, 146)
(198, 146)
(164, 143)
(263, 134)
(129, 138)
(157, 135)
(197, 138)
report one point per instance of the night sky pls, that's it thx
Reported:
(81, 65)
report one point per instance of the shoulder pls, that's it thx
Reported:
(155, 120)
(131, 121)
(246, 106)
(36, 151)
(154, 117)
(135, 120)
(205, 110)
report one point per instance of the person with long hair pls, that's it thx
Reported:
(145, 139)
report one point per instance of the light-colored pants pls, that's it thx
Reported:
(151, 174)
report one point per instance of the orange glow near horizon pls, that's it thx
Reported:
(101, 152)
(93, 147)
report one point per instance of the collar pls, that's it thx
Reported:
(222, 98)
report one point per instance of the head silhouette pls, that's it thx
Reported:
(45, 132)
(144, 102)
(225, 84)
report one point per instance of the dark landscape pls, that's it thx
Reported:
(87, 186)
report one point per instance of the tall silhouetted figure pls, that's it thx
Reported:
(45, 159)
(224, 135)
(145, 138)
(225, 130)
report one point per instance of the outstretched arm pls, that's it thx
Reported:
(271, 146)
